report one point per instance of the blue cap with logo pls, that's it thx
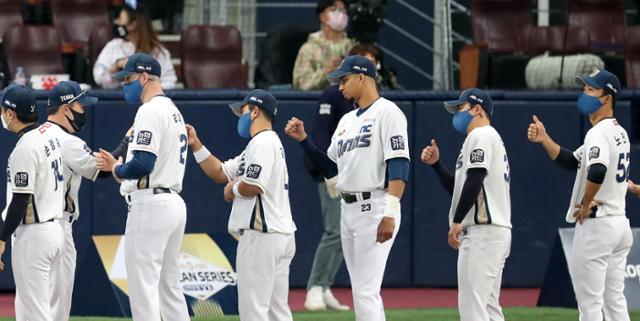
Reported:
(139, 63)
(66, 92)
(353, 65)
(20, 99)
(600, 79)
(474, 96)
(259, 98)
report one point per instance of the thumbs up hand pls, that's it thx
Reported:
(536, 132)
(430, 154)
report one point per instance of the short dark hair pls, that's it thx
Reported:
(608, 91)
(362, 49)
(266, 114)
(26, 119)
(52, 110)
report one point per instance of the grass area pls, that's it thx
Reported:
(511, 314)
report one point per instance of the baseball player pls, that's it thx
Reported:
(602, 236)
(66, 110)
(35, 197)
(257, 182)
(150, 180)
(328, 257)
(480, 213)
(369, 150)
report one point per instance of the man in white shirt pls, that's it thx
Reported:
(35, 197)
(151, 180)
(603, 235)
(66, 110)
(257, 182)
(480, 212)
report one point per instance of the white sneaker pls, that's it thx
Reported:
(315, 301)
(331, 302)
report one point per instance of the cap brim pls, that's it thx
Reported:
(587, 81)
(237, 108)
(122, 74)
(88, 100)
(452, 105)
(335, 76)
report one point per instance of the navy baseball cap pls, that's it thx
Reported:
(353, 65)
(599, 79)
(474, 96)
(67, 92)
(19, 99)
(138, 63)
(259, 98)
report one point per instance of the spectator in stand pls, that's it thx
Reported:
(134, 34)
(324, 49)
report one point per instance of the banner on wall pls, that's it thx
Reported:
(207, 278)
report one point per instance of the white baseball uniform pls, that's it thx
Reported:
(266, 228)
(36, 167)
(362, 143)
(157, 214)
(486, 238)
(78, 162)
(602, 242)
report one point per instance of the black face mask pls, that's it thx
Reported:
(79, 120)
(120, 31)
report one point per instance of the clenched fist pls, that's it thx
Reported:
(295, 129)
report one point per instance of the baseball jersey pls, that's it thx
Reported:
(262, 164)
(35, 167)
(483, 148)
(78, 162)
(159, 129)
(606, 143)
(363, 141)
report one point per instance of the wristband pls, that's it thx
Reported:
(236, 192)
(201, 155)
(392, 207)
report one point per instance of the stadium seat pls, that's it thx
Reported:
(503, 25)
(212, 57)
(98, 38)
(604, 20)
(75, 19)
(10, 15)
(552, 39)
(632, 57)
(36, 48)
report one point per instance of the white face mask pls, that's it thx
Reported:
(5, 124)
(338, 20)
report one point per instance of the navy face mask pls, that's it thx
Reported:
(588, 104)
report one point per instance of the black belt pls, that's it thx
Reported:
(352, 198)
(156, 191)
(161, 190)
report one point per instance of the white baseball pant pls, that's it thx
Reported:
(154, 232)
(65, 271)
(598, 261)
(365, 258)
(481, 257)
(262, 266)
(35, 253)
